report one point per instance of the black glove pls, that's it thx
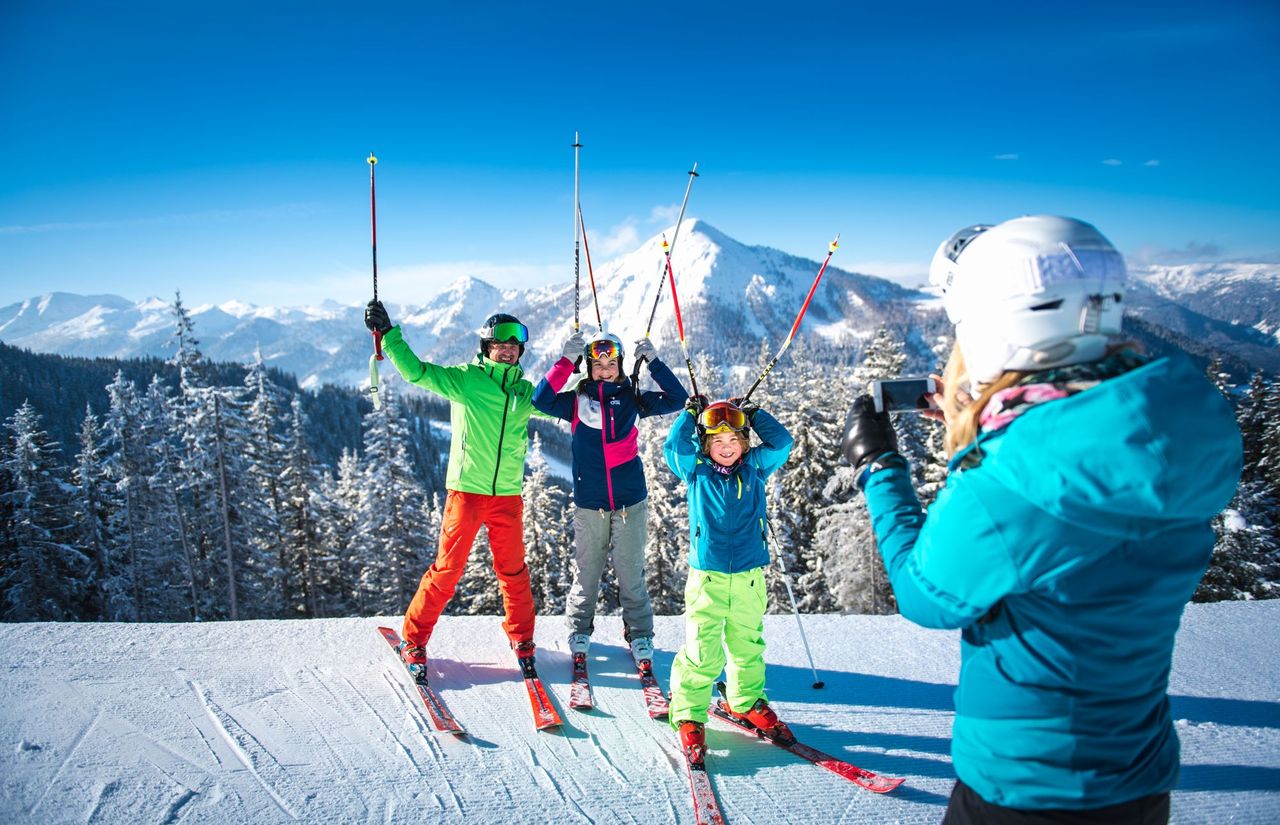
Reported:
(696, 404)
(376, 317)
(749, 408)
(867, 434)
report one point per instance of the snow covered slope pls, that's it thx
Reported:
(266, 722)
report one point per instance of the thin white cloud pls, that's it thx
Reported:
(1152, 162)
(664, 214)
(1007, 156)
(1112, 162)
(621, 238)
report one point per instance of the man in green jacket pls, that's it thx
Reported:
(490, 402)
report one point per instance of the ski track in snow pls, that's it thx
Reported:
(250, 731)
(255, 758)
(75, 746)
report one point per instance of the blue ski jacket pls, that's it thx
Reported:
(607, 471)
(727, 527)
(1067, 555)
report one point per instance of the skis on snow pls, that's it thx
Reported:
(860, 776)
(706, 810)
(544, 713)
(580, 687)
(654, 699)
(436, 710)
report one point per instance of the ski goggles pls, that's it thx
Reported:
(722, 419)
(508, 332)
(603, 349)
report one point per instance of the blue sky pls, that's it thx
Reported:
(218, 147)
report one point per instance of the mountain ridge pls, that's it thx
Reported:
(731, 294)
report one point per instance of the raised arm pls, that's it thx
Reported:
(445, 381)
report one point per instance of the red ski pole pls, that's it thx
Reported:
(830, 251)
(675, 301)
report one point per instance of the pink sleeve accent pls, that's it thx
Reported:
(559, 374)
(617, 453)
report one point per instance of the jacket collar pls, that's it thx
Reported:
(502, 373)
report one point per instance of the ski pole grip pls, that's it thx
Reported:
(377, 344)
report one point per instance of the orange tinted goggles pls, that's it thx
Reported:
(602, 349)
(722, 419)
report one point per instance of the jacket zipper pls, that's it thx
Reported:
(502, 432)
(604, 448)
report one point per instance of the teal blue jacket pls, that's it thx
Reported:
(1067, 555)
(727, 512)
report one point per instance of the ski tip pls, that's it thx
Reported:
(881, 784)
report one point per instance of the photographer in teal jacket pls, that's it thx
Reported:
(1073, 527)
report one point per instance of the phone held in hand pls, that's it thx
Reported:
(903, 394)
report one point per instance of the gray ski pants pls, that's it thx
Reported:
(593, 531)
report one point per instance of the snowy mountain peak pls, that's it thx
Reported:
(731, 296)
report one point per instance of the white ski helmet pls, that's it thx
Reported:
(1031, 293)
(603, 345)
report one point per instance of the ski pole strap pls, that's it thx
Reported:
(373, 375)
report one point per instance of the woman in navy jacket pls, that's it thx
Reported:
(608, 478)
(1073, 527)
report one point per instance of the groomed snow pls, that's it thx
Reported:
(315, 721)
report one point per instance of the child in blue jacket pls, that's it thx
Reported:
(725, 597)
(608, 478)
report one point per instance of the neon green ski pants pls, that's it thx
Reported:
(721, 610)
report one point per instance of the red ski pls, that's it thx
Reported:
(544, 713)
(580, 687)
(437, 712)
(654, 699)
(706, 809)
(860, 776)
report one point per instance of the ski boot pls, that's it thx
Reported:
(415, 658)
(524, 655)
(642, 651)
(693, 739)
(764, 719)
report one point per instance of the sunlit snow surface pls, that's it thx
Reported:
(314, 721)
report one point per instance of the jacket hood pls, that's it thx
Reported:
(1155, 445)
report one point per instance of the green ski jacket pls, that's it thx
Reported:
(489, 408)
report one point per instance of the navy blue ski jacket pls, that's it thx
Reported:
(607, 472)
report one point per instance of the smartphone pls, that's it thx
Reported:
(903, 394)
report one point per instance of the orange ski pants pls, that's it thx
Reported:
(464, 513)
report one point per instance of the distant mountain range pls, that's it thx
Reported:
(731, 295)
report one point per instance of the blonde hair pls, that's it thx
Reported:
(962, 419)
